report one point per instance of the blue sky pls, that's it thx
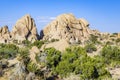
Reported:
(102, 15)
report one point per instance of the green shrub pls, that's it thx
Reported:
(75, 60)
(53, 40)
(115, 34)
(15, 41)
(23, 52)
(26, 42)
(53, 57)
(111, 53)
(93, 38)
(109, 43)
(24, 55)
(32, 67)
(8, 51)
(64, 68)
(117, 40)
(90, 48)
(38, 43)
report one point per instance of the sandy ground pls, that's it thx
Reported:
(59, 45)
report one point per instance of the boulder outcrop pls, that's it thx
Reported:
(25, 29)
(66, 26)
(4, 34)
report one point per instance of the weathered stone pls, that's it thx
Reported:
(4, 34)
(25, 29)
(31, 76)
(3, 63)
(66, 26)
(19, 72)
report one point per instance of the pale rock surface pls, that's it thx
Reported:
(67, 27)
(59, 45)
(4, 34)
(33, 51)
(25, 29)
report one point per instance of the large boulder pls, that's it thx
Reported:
(19, 73)
(66, 26)
(25, 29)
(4, 34)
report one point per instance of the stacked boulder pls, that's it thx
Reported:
(66, 26)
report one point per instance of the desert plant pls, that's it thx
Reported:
(32, 67)
(90, 48)
(93, 38)
(53, 40)
(37, 43)
(8, 51)
(64, 68)
(110, 53)
(53, 57)
(117, 40)
(26, 42)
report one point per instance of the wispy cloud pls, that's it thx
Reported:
(44, 19)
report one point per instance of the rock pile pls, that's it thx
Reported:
(66, 26)
(24, 29)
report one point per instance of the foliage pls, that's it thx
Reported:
(109, 43)
(90, 48)
(93, 38)
(26, 42)
(53, 57)
(64, 68)
(32, 67)
(53, 40)
(75, 60)
(110, 53)
(23, 55)
(37, 43)
(115, 33)
(8, 51)
(117, 40)
(23, 52)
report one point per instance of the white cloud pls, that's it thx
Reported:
(44, 19)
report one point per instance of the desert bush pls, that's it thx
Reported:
(53, 40)
(24, 55)
(93, 38)
(117, 40)
(26, 42)
(32, 67)
(109, 43)
(15, 41)
(23, 52)
(53, 57)
(90, 48)
(74, 60)
(64, 68)
(111, 53)
(8, 51)
(37, 43)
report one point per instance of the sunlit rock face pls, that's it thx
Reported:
(66, 26)
(25, 29)
(4, 34)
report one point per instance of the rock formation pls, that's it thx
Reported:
(25, 29)
(4, 34)
(66, 26)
